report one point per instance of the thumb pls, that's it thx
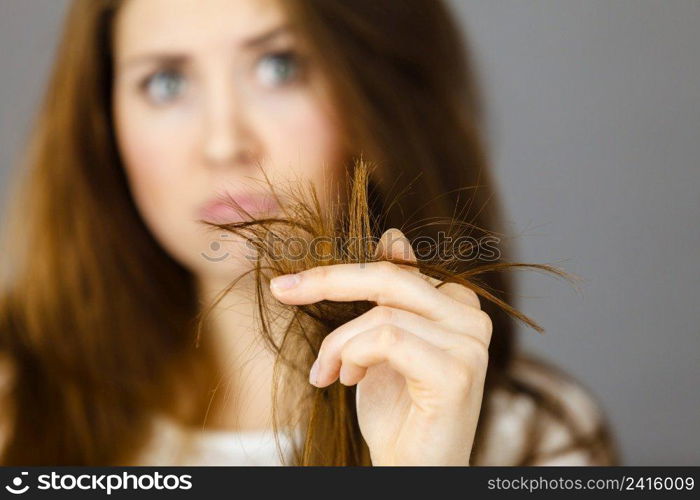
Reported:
(393, 244)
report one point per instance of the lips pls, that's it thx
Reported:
(222, 208)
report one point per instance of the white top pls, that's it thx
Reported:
(172, 444)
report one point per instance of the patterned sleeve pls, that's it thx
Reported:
(546, 418)
(571, 428)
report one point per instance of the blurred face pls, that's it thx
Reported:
(205, 93)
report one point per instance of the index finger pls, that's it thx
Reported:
(381, 282)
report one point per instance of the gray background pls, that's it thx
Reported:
(594, 129)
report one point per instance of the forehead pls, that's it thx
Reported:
(157, 25)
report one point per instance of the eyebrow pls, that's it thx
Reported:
(265, 37)
(177, 59)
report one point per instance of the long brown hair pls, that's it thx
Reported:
(100, 334)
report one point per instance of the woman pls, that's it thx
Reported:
(158, 112)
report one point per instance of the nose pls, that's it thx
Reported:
(229, 138)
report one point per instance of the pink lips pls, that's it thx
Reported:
(221, 209)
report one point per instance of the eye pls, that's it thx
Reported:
(164, 85)
(278, 68)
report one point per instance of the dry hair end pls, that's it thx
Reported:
(347, 232)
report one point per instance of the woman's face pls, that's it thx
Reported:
(205, 92)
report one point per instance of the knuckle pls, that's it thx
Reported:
(383, 314)
(462, 377)
(387, 274)
(484, 323)
(462, 293)
(389, 335)
(432, 281)
(473, 297)
(472, 359)
(387, 269)
(318, 272)
(479, 355)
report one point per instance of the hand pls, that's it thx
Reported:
(419, 357)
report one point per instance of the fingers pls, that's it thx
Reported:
(453, 341)
(462, 294)
(424, 366)
(413, 315)
(380, 282)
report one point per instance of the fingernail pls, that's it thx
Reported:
(313, 375)
(285, 282)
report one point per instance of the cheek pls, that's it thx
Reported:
(154, 152)
(156, 155)
(304, 142)
(152, 170)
